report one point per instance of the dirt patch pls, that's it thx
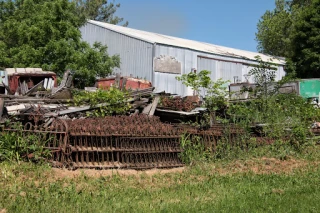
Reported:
(265, 166)
(64, 173)
(257, 166)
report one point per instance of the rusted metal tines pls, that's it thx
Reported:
(137, 142)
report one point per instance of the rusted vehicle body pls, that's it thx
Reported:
(18, 79)
(124, 82)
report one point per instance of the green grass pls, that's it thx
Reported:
(250, 185)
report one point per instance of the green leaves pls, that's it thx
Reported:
(100, 10)
(16, 146)
(196, 80)
(274, 28)
(264, 75)
(216, 92)
(305, 55)
(291, 30)
(45, 33)
(111, 101)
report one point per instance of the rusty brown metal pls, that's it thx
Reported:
(137, 142)
(178, 103)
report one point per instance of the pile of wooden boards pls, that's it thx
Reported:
(20, 107)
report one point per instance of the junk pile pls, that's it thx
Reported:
(136, 141)
(42, 103)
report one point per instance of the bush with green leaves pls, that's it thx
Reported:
(17, 147)
(195, 80)
(216, 92)
(193, 150)
(105, 102)
(286, 117)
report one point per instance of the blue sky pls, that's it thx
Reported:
(230, 23)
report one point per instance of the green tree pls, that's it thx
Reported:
(274, 29)
(291, 31)
(305, 42)
(100, 10)
(264, 75)
(45, 33)
(195, 80)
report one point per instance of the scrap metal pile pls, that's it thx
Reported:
(137, 142)
(124, 142)
(186, 104)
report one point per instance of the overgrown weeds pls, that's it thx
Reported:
(193, 150)
(17, 147)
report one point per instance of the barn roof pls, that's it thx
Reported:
(185, 43)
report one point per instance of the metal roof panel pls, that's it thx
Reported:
(185, 43)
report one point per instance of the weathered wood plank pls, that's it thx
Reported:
(147, 109)
(1, 107)
(154, 105)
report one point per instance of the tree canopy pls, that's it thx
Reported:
(100, 10)
(305, 42)
(45, 33)
(291, 30)
(273, 30)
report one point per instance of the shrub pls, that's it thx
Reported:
(107, 102)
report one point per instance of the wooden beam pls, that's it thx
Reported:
(1, 107)
(154, 105)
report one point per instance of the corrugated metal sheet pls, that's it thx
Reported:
(4, 79)
(189, 44)
(245, 74)
(208, 64)
(229, 71)
(136, 55)
(219, 67)
(166, 81)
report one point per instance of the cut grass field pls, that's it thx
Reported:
(255, 184)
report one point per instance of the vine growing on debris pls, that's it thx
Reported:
(215, 92)
(105, 102)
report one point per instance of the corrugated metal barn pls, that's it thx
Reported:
(160, 58)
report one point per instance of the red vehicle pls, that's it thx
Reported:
(124, 82)
(26, 78)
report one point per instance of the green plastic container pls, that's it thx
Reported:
(309, 88)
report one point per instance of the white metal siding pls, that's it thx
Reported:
(137, 59)
(220, 67)
(208, 64)
(166, 81)
(228, 71)
(231, 71)
(135, 55)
